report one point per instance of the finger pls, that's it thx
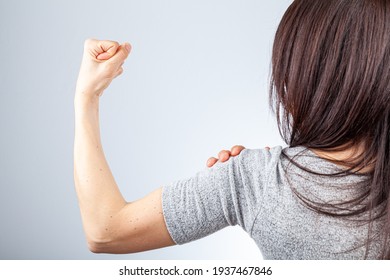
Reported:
(103, 56)
(106, 49)
(235, 150)
(122, 53)
(211, 161)
(224, 155)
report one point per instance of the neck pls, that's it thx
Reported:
(346, 156)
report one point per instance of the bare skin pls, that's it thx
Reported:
(111, 224)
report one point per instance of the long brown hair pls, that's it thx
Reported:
(330, 90)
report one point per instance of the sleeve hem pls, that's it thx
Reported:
(165, 215)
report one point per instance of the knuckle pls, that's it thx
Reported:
(110, 44)
(115, 43)
(88, 42)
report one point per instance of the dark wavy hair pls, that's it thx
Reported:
(330, 91)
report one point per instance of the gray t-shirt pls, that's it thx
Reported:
(253, 190)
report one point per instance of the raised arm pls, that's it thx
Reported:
(111, 224)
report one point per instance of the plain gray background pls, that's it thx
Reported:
(196, 82)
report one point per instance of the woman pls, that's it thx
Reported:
(325, 196)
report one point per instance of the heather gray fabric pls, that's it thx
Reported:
(253, 191)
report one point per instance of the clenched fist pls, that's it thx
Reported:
(102, 62)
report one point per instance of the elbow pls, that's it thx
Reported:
(103, 239)
(99, 244)
(96, 247)
(106, 246)
(93, 248)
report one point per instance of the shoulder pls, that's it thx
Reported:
(260, 158)
(253, 166)
(250, 162)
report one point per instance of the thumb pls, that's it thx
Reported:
(122, 53)
(106, 49)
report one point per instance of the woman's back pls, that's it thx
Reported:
(288, 229)
(254, 191)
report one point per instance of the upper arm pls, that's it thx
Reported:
(193, 208)
(230, 193)
(139, 226)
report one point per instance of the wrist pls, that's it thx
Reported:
(83, 98)
(86, 106)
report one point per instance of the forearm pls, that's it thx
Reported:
(99, 197)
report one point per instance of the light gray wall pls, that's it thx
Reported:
(195, 83)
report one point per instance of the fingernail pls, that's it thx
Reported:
(127, 46)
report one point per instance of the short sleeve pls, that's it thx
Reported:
(225, 195)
